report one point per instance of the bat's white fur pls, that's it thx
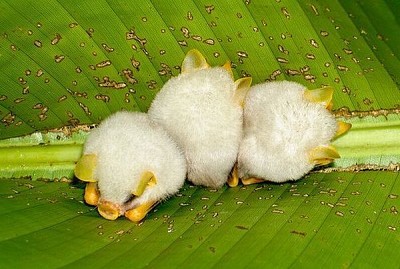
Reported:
(128, 144)
(281, 127)
(199, 111)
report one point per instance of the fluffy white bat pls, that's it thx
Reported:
(287, 131)
(130, 164)
(202, 110)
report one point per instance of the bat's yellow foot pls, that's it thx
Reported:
(138, 213)
(108, 210)
(233, 179)
(252, 180)
(92, 194)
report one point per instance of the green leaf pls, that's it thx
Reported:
(74, 68)
(75, 62)
(331, 220)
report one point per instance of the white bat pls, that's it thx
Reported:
(202, 109)
(130, 164)
(287, 131)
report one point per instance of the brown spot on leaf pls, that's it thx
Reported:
(209, 8)
(38, 43)
(107, 83)
(8, 119)
(56, 39)
(298, 233)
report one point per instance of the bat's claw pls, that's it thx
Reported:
(92, 193)
(233, 179)
(252, 180)
(138, 213)
(109, 210)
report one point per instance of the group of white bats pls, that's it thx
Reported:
(210, 129)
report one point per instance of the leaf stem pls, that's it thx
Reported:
(371, 143)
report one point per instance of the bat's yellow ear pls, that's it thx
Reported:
(242, 87)
(193, 60)
(342, 127)
(227, 66)
(84, 169)
(323, 155)
(147, 179)
(322, 95)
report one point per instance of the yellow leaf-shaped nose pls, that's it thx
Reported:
(147, 179)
